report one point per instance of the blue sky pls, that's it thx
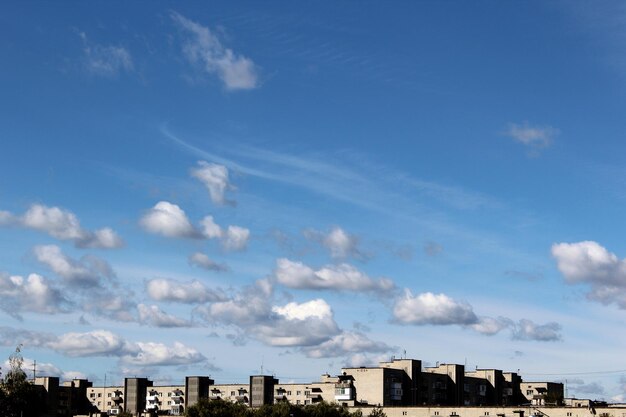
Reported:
(214, 188)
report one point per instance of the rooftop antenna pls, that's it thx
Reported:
(404, 353)
(261, 365)
(34, 370)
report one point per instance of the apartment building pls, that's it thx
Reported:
(542, 393)
(395, 383)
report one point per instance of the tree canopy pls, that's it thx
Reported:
(220, 408)
(16, 393)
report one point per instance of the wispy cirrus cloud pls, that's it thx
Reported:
(535, 138)
(202, 47)
(105, 60)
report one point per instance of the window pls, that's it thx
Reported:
(529, 392)
(436, 413)
(99, 394)
(298, 392)
(404, 413)
(307, 392)
(169, 403)
(169, 394)
(92, 395)
(232, 393)
(288, 392)
(109, 395)
(109, 403)
(306, 402)
(486, 413)
(298, 402)
(569, 414)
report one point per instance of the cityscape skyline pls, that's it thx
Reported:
(227, 188)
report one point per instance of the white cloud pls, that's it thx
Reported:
(90, 271)
(161, 289)
(63, 225)
(32, 294)
(111, 304)
(332, 277)
(236, 238)
(528, 330)
(94, 343)
(168, 220)
(340, 243)
(105, 343)
(294, 324)
(534, 137)
(215, 179)
(490, 326)
(210, 229)
(106, 60)
(347, 343)
(429, 308)
(204, 48)
(154, 316)
(590, 263)
(101, 238)
(201, 260)
(158, 354)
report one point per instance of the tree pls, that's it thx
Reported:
(377, 412)
(17, 395)
(217, 408)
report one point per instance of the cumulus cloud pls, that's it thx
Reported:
(32, 294)
(295, 324)
(105, 60)
(154, 316)
(340, 243)
(106, 343)
(251, 313)
(528, 330)
(534, 137)
(490, 326)
(429, 308)
(215, 179)
(580, 387)
(331, 277)
(170, 220)
(201, 260)
(236, 238)
(590, 263)
(94, 343)
(158, 354)
(203, 48)
(439, 309)
(89, 271)
(162, 289)
(110, 303)
(347, 343)
(63, 225)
